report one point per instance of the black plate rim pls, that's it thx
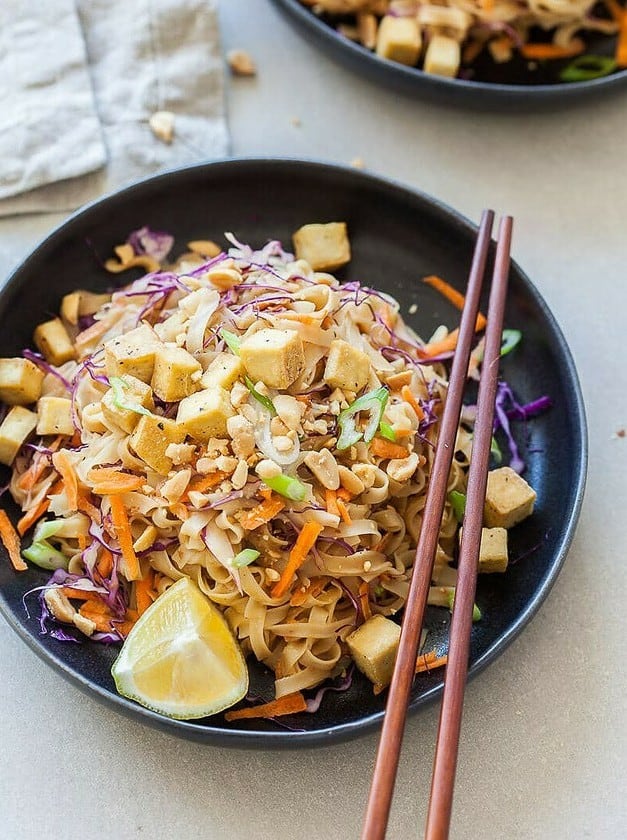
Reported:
(414, 78)
(282, 739)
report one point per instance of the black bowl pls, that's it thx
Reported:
(397, 236)
(517, 85)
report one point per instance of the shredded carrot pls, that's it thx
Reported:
(85, 506)
(83, 542)
(288, 705)
(413, 402)
(330, 498)
(11, 541)
(261, 514)
(344, 494)
(364, 599)
(453, 296)
(386, 449)
(31, 516)
(144, 592)
(621, 43)
(344, 514)
(300, 596)
(430, 661)
(108, 481)
(444, 346)
(102, 619)
(180, 511)
(303, 545)
(539, 52)
(200, 483)
(104, 564)
(122, 528)
(64, 467)
(32, 475)
(82, 595)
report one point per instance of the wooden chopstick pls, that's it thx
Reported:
(443, 780)
(386, 763)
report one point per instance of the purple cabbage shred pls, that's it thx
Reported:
(153, 243)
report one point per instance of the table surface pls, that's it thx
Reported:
(544, 747)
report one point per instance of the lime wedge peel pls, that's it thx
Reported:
(180, 659)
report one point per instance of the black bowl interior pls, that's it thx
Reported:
(397, 236)
(514, 85)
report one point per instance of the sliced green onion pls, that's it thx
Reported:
(374, 402)
(232, 341)
(476, 612)
(379, 591)
(46, 528)
(266, 402)
(386, 431)
(287, 486)
(587, 67)
(245, 558)
(510, 340)
(42, 554)
(458, 503)
(495, 450)
(120, 401)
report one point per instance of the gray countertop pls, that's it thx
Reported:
(544, 746)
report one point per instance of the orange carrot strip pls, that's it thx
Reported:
(621, 43)
(344, 494)
(540, 52)
(413, 402)
(31, 516)
(261, 514)
(303, 545)
(364, 600)
(85, 506)
(386, 449)
(100, 619)
(314, 588)
(64, 467)
(180, 511)
(122, 528)
(32, 475)
(144, 592)
(104, 564)
(429, 662)
(344, 514)
(11, 541)
(330, 498)
(107, 481)
(444, 346)
(82, 595)
(200, 483)
(288, 705)
(453, 296)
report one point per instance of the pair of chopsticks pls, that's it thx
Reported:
(445, 762)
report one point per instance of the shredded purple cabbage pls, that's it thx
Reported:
(153, 243)
(337, 541)
(224, 500)
(313, 703)
(38, 359)
(506, 408)
(359, 615)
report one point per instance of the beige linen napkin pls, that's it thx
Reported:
(82, 80)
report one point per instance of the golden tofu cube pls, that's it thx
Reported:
(347, 367)
(399, 39)
(20, 381)
(509, 499)
(442, 57)
(176, 375)
(274, 357)
(324, 247)
(223, 371)
(173, 326)
(151, 438)
(15, 429)
(132, 353)
(54, 416)
(135, 393)
(80, 303)
(373, 647)
(203, 415)
(493, 550)
(53, 341)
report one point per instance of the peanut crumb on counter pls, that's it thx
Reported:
(240, 63)
(162, 126)
(358, 163)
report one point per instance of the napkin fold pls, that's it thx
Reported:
(81, 80)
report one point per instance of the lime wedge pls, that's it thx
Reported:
(180, 659)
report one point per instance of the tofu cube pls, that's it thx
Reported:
(223, 371)
(347, 367)
(150, 439)
(493, 550)
(14, 431)
(509, 499)
(136, 392)
(80, 303)
(53, 341)
(203, 415)
(399, 39)
(274, 357)
(443, 56)
(132, 353)
(173, 326)
(373, 647)
(324, 247)
(176, 374)
(54, 416)
(20, 381)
